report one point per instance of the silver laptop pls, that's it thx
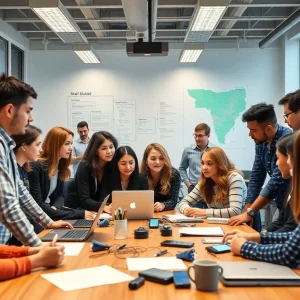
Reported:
(75, 235)
(139, 204)
(256, 273)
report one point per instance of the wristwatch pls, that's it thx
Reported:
(250, 212)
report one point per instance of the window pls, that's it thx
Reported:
(3, 56)
(17, 62)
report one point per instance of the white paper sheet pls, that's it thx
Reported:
(174, 218)
(86, 278)
(202, 231)
(164, 263)
(105, 216)
(72, 249)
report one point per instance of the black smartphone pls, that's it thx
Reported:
(218, 249)
(181, 280)
(153, 223)
(157, 275)
(180, 244)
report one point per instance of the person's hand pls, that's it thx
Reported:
(89, 215)
(250, 237)
(240, 219)
(236, 245)
(53, 207)
(194, 212)
(59, 224)
(158, 206)
(48, 256)
(107, 208)
(188, 184)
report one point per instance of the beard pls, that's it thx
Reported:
(259, 142)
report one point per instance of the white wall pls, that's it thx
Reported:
(149, 80)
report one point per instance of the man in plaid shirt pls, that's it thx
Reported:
(16, 204)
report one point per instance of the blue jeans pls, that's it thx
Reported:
(199, 204)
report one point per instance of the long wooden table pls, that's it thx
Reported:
(34, 287)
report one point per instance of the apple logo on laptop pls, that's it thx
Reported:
(132, 205)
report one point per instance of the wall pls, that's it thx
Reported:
(152, 80)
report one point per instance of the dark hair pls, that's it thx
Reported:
(203, 126)
(90, 155)
(293, 100)
(28, 138)
(14, 91)
(262, 113)
(82, 124)
(134, 177)
(285, 145)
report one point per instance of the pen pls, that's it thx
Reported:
(211, 253)
(160, 253)
(54, 240)
(122, 247)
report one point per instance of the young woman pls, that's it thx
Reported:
(17, 261)
(285, 221)
(48, 174)
(93, 174)
(126, 174)
(221, 186)
(162, 177)
(275, 247)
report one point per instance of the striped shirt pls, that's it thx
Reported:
(190, 160)
(16, 204)
(230, 206)
(281, 248)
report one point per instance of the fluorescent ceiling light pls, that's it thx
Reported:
(206, 17)
(57, 18)
(86, 53)
(191, 53)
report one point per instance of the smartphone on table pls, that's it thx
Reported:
(218, 249)
(153, 223)
(181, 280)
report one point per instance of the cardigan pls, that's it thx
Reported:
(231, 206)
(171, 198)
(39, 188)
(14, 262)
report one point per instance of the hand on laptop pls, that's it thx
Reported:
(250, 237)
(158, 206)
(47, 256)
(59, 224)
(89, 215)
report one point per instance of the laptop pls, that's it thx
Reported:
(139, 204)
(75, 235)
(256, 273)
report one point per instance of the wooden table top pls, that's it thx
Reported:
(34, 287)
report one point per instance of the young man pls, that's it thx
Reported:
(264, 130)
(80, 145)
(191, 156)
(16, 204)
(291, 109)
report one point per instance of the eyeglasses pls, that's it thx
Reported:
(286, 116)
(199, 136)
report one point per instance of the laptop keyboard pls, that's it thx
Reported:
(83, 223)
(75, 234)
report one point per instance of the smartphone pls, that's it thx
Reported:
(181, 280)
(153, 223)
(212, 241)
(218, 249)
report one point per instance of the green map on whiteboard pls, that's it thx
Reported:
(224, 107)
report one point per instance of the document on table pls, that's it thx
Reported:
(105, 216)
(164, 263)
(72, 249)
(86, 278)
(180, 217)
(201, 231)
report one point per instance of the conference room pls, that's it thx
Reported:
(201, 62)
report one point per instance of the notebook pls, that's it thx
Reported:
(139, 204)
(256, 273)
(179, 218)
(75, 235)
(201, 231)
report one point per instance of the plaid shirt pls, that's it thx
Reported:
(265, 162)
(281, 248)
(15, 201)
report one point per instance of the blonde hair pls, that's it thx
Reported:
(166, 172)
(296, 177)
(53, 141)
(225, 168)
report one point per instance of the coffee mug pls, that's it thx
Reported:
(207, 274)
